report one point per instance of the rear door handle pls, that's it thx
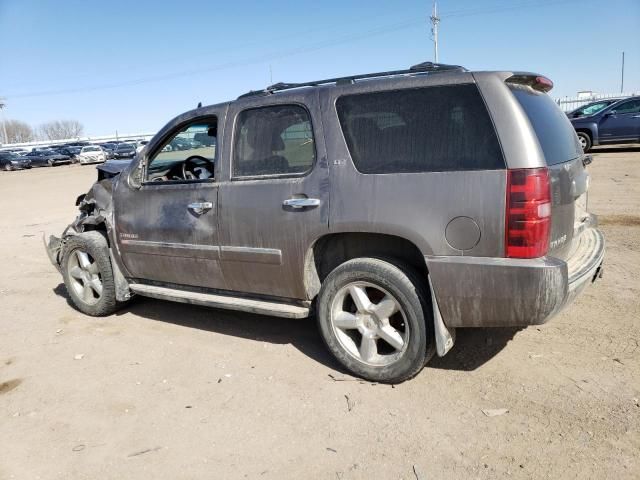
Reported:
(301, 202)
(200, 207)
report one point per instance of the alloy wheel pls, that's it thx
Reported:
(369, 323)
(85, 277)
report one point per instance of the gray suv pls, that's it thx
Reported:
(395, 206)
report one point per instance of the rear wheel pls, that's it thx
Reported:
(375, 319)
(585, 141)
(88, 275)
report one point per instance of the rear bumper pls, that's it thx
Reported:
(502, 292)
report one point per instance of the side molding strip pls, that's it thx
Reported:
(210, 252)
(250, 254)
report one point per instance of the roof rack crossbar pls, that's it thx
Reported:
(428, 67)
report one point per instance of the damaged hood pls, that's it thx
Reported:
(112, 168)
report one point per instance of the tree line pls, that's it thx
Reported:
(21, 132)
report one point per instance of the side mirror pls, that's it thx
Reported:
(611, 113)
(135, 177)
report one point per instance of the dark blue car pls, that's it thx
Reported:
(617, 123)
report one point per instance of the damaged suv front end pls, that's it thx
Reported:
(95, 214)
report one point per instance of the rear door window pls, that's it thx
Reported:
(628, 107)
(273, 140)
(552, 127)
(419, 130)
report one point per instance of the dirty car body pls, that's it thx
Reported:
(329, 195)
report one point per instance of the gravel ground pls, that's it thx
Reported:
(174, 391)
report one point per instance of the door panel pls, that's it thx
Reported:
(162, 239)
(624, 124)
(263, 241)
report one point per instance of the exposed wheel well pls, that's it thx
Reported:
(98, 227)
(334, 249)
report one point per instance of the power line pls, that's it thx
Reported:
(409, 23)
(251, 61)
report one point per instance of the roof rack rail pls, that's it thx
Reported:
(425, 67)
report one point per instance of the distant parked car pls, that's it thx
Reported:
(591, 108)
(616, 123)
(46, 158)
(13, 161)
(124, 150)
(72, 152)
(108, 149)
(92, 154)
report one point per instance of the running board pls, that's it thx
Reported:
(221, 301)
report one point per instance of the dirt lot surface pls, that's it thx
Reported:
(174, 391)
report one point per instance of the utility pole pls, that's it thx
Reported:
(622, 80)
(3, 105)
(435, 20)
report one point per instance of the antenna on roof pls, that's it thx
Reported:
(199, 105)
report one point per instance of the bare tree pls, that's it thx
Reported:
(60, 129)
(17, 131)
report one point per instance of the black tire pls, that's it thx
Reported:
(50, 163)
(585, 141)
(410, 293)
(7, 167)
(95, 245)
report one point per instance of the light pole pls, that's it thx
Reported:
(3, 105)
(435, 20)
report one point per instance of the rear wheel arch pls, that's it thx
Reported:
(331, 250)
(589, 133)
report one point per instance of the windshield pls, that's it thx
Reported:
(125, 147)
(9, 156)
(552, 127)
(90, 149)
(591, 109)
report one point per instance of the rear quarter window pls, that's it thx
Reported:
(552, 127)
(428, 129)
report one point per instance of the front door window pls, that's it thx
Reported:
(188, 155)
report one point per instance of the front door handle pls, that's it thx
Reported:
(301, 202)
(200, 207)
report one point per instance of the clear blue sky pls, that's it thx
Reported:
(158, 59)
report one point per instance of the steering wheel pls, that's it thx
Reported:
(193, 162)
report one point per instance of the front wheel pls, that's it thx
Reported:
(585, 141)
(375, 319)
(88, 275)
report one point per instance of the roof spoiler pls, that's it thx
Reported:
(535, 81)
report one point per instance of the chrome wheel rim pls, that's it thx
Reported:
(84, 277)
(369, 323)
(583, 141)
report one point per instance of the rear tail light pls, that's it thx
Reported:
(528, 213)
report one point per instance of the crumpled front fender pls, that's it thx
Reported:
(96, 213)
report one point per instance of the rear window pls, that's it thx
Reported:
(553, 129)
(420, 130)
